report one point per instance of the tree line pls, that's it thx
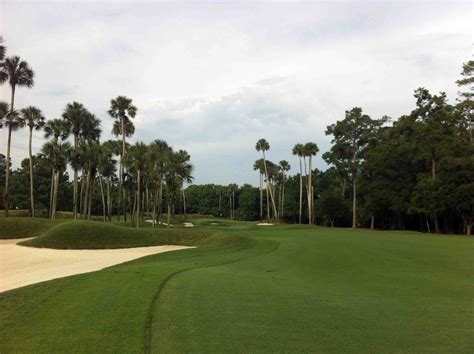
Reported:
(154, 173)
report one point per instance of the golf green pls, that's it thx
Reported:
(275, 288)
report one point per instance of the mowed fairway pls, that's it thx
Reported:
(278, 288)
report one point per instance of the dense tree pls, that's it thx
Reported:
(298, 150)
(18, 73)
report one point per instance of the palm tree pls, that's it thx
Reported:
(106, 169)
(159, 154)
(18, 73)
(121, 109)
(263, 145)
(34, 119)
(13, 121)
(74, 115)
(184, 171)
(298, 150)
(57, 154)
(3, 112)
(310, 149)
(3, 49)
(258, 165)
(137, 160)
(55, 129)
(284, 167)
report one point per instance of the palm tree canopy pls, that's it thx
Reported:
(258, 165)
(284, 165)
(128, 128)
(137, 157)
(75, 114)
(90, 130)
(298, 150)
(3, 49)
(4, 109)
(17, 72)
(310, 149)
(262, 145)
(57, 153)
(122, 107)
(33, 117)
(14, 120)
(55, 128)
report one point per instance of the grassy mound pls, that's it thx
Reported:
(22, 227)
(97, 235)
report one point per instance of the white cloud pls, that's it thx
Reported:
(215, 77)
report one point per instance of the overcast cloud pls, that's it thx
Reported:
(213, 78)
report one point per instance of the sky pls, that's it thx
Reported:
(214, 77)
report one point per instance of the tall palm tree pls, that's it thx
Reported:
(122, 110)
(106, 170)
(262, 145)
(55, 129)
(57, 154)
(3, 49)
(310, 149)
(4, 109)
(184, 171)
(258, 165)
(298, 150)
(13, 121)
(34, 119)
(18, 73)
(284, 167)
(74, 115)
(136, 160)
(159, 154)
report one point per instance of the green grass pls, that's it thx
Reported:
(21, 227)
(248, 289)
(96, 235)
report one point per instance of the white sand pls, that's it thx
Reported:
(20, 265)
(264, 224)
(158, 222)
(188, 224)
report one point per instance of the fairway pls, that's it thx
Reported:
(279, 288)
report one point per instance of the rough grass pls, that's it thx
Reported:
(249, 289)
(21, 227)
(98, 235)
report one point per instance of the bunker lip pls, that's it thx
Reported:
(21, 265)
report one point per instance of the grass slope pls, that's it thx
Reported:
(249, 289)
(22, 227)
(97, 235)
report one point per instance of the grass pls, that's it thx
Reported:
(248, 289)
(96, 235)
(21, 227)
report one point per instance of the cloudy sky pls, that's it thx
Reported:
(213, 78)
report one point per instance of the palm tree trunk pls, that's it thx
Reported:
(301, 191)
(160, 202)
(275, 213)
(104, 210)
(74, 208)
(32, 197)
(372, 221)
(169, 214)
(309, 191)
(91, 192)
(132, 214)
(55, 194)
(109, 200)
(51, 192)
(6, 195)
(354, 202)
(138, 196)
(268, 203)
(261, 196)
(155, 199)
(184, 204)
(283, 200)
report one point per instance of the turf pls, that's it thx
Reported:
(248, 289)
(22, 227)
(96, 235)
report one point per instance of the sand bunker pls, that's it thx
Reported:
(188, 224)
(20, 265)
(264, 224)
